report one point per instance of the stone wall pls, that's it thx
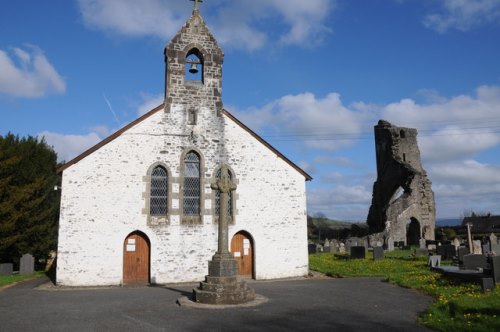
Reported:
(402, 193)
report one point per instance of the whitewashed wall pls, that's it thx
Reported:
(103, 201)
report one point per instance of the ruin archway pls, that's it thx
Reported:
(413, 233)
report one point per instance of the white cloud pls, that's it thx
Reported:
(237, 24)
(321, 123)
(28, 73)
(69, 146)
(455, 128)
(340, 202)
(463, 15)
(149, 102)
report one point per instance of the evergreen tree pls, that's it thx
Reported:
(29, 206)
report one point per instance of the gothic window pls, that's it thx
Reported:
(194, 67)
(192, 184)
(192, 117)
(229, 200)
(158, 204)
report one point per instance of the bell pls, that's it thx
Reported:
(193, 69)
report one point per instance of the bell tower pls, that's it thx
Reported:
(193, 79)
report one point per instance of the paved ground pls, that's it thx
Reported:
(350, 304)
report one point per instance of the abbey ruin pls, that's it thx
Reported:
(403, 208)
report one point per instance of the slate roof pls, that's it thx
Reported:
(483, 224)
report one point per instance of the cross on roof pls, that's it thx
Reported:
(196, 2)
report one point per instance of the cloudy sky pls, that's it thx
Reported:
(312, 77)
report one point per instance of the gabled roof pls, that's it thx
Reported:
(161, 107)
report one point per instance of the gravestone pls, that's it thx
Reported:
(421, 252)
(327, 249)
(475, 261)
(334, 249)
(434, 260)
(358, 252)
(449, 251)
(456, 243)
(495, 267)
(476, 247)
(342, 247)
(27, 264)
(6, 269)
(493, 239)
(390, 244)
(487, 284)
(378, 253)
(462, 251)
(485, 248)
(327, 243)
(311, 248)
(422, 243)
(495, 249)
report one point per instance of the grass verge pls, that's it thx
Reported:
(7, 280)
(457, 306)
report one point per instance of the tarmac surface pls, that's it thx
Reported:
(348, 304)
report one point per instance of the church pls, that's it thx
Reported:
(139, 208)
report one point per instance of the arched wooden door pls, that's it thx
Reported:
(242, 249)
(136, 259)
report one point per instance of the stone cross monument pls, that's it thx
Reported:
(222, 285)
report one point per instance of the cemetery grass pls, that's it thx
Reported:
(7, 280)
(457, 306)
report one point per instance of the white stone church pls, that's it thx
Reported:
(138, 207)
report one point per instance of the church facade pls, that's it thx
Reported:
(139, 207)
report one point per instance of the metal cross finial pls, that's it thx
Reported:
(196, 2)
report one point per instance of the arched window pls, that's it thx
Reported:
(191, 194)
(229, 200)
(158, 204)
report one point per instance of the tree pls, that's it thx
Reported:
(29, 207)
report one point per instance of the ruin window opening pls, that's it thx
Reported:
(404, 156)
(402, 134)
(397, 194)
(194, 67)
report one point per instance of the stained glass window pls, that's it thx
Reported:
(191, 203)
(159, 192)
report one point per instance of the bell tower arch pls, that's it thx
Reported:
(194, 61)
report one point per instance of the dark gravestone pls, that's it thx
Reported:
(449, 251)
(27, 265)
(475, 261)
(487, 284)
(311, 248)
(378, 253)
(495, 266)
(6, 269)
(485, 248)
(421, 252)
(358, 252)
(327, 249)
(462, 251)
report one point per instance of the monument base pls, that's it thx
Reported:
(222, 286)
(223, 290)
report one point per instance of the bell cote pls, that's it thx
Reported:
(193, 61)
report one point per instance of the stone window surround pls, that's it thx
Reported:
(203, 183)
(157, 220)
(234, 199)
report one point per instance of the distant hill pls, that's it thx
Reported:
(448, 222)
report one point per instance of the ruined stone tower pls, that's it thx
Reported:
(403, 207)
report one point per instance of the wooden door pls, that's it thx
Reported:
(136, 259)
(242, 249)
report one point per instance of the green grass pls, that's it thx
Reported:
(6, 280)
(457, 306)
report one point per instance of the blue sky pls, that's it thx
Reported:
(312, 77)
